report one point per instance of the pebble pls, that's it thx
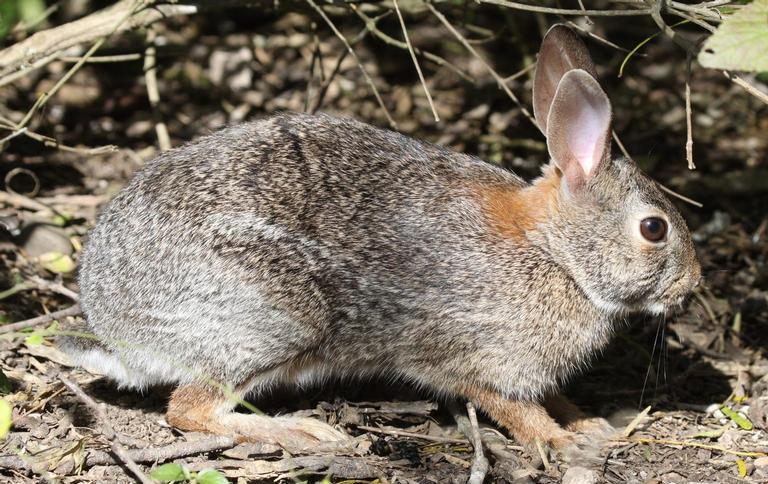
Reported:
(580, 475)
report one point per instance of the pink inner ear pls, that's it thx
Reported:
(578, 126)
(587, 142)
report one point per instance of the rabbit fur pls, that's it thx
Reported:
(298, 248)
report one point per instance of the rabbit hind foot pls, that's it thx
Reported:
(202, 409)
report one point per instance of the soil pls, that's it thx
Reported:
(692, 369)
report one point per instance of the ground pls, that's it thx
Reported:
(701, 372)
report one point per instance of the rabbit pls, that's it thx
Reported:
(297, 248)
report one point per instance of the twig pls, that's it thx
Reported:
(312, 64)
(51, 142)
(102, 59)
(480, 464)
(371, 24)
(747, 86)
(543, 455)
(150, 75)
(582, 7)
(107, 430)
(56, 287)
(525, 70)
(566, 11)
(688, 121)
(343, 39)
(48, 94)
(29, 323)
(156, 454)
(662, 187)
(494, 74)
(680, 196)
(54, 143)
(13, 135)
(692, 19)
(639, 418)
(593, 35)
(18, 200)
(41, 48)
(415, 61)
(328, 80)
(414, 435)
(698, 445)
(655, 12)
(704, 11)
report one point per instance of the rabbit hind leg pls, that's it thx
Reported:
(204, 409)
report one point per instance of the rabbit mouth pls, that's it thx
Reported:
(671, 306)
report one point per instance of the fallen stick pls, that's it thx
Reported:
(480, 465)
(152, 454)
(48, 44)
(29, 323)
(107, 431)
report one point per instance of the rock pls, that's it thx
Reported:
(39, 238)
(580, 475)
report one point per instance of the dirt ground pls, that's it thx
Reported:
(704, 372)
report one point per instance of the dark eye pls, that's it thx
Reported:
(653, 229)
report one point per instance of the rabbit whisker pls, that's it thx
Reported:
(650, 364)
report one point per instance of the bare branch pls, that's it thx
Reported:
(150, 75)
(107, 430)
(566, 11)
(29, 323)
(351, 51)
(44, 45)
(415, 61)
(491, 71)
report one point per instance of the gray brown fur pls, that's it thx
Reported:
(298, 248)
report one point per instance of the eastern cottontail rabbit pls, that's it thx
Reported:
(297, 248)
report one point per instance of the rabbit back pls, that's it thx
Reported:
(294, 235)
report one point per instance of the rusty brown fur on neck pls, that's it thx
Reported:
(514, 211)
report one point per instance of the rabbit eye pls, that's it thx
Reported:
(653, 229)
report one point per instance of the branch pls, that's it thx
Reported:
(28, 323)
(351, 51)
(566, 11)
(107, 431)
(415, 61)
(48, 44)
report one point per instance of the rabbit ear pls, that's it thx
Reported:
(561, 51)
(579, 126)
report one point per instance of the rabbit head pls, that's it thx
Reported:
(619, 237)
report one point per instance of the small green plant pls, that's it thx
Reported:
(173, 472)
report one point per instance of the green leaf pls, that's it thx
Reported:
(741, 467)
(9, 15)
(170, 472)
(712, 434)
(211, 476)
(741, 41)
(740, 420)
(5, 384)
(57, 262)
(34, 339)
(6, 418)
(31, 11)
